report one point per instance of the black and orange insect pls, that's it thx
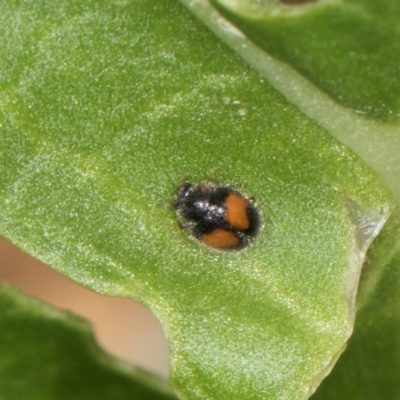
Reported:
(219, 216)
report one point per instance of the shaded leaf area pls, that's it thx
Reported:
(369, 368)
(105, 110)
(49, 354)
(348, 48)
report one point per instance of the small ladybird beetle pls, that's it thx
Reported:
(219, 216)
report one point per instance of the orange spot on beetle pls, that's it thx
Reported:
(236, 211)
(220, 239)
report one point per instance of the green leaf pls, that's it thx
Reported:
(356, 66)
(335, 59)
(50, 354)
(106, 108)
(368, 369)
(348, 48)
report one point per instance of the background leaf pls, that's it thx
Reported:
(111, 106)
(348, 48)
(49, 354)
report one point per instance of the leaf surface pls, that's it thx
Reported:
(337, 60)
(106, 109)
